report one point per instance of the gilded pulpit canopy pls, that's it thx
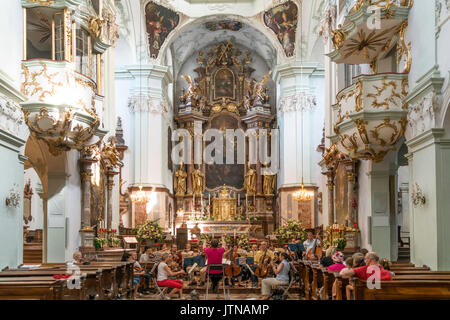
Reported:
(179, 181)
(250, 181)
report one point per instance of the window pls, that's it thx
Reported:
(59, 36)
(82, 51)
(351, 71)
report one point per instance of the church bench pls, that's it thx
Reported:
(422, 277)
(328, 280)
(308, 278)
(401, 268)
(31, 290)
(403, 290)
(89, 279)
(67, 293)
(406, 272)
(317, 281)
(341, 283)
(95, 285)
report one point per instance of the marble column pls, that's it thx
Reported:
(110, 183)
(86, 175)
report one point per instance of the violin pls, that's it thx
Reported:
(232, 270)
(262, 270)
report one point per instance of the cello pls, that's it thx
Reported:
(314, 253)
(263, 266)
(232, 270)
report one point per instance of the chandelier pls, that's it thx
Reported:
(302, 194)
(139, 196)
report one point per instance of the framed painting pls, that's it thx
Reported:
(224, 84)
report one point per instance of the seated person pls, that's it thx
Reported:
(281, 276)
(371, 261)
(338, 259)
(147, 256)
(328, 259)
(163, 273)
(77, 257)
(138, 272)
(386, 264)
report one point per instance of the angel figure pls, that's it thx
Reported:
(193, 93)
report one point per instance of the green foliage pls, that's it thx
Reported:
(340, 243)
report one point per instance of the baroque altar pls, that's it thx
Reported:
(222, 93)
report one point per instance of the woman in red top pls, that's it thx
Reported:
(214, 255)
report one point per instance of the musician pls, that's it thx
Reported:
(252, 254)
(263, 255)
(311, 242)
(281, 276)
(163, 276)
(164, 248)
(214, 255)
(148, 255)
(186, 253)
(176, 255)
(233, 255)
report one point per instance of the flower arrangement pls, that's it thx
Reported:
(244, 240)
(293, 229)
(150, 230)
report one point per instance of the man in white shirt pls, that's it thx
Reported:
(310, 242)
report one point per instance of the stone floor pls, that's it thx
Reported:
(236, 293)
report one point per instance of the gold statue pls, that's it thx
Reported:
(250, 181)
(179, 181)
(198, 181)
(269, 181)
(193, 94)
(255, 92)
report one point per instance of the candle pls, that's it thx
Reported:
(239, 200)
(246, 200)
(209, 198)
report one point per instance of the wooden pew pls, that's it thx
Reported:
(82, 293)
(341, 283)
(36, 289)
(308, 278)
(328, 280)
(317, 281)
(403, 290)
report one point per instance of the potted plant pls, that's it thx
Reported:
(292, 229)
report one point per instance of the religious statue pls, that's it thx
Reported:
(269, 181)
(250, 181)
(255, 92)
(193, 94)
(198, 181)
(179, 181)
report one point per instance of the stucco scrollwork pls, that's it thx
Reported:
(11, 116)
(147, 104)
(422, 115)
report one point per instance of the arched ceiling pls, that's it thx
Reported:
(197, 36)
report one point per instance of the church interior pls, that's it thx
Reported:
(142, 136)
